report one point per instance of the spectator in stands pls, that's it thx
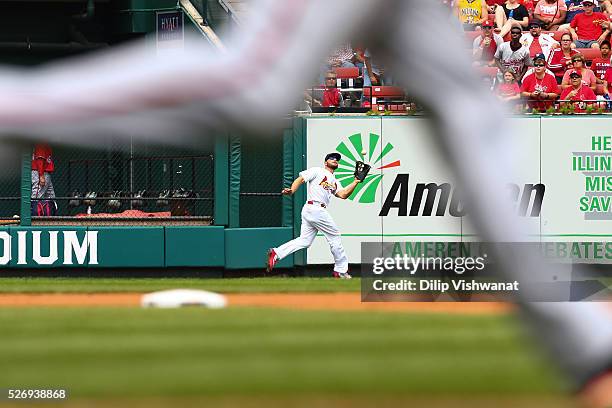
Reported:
(574, 7)
(588, 77)
(373, 74)
(329, 96)
(536, 42)
(607, 82)
(550, 13)
(560, 59)
(509, 15)
(509, 90)
(606, 6)
(600, 65)
(342, 56)
(587, 28)
(471, 13)
(42, 167)
(492, 5)
(513, 55)
(577, 92)
(485, 45)
(540, 87)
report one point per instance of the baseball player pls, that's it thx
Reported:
(111, 94)
(322, 186)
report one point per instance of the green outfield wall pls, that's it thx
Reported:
(564, 156)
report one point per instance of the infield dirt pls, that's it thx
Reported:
(299, 301)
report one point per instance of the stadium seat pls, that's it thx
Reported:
(557, 34)
(346, 72)
(589, 54)
(346, 76)
(386, 98)
(387, 92)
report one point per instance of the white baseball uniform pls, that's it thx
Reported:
(322, 185)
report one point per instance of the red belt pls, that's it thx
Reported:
(314, 202)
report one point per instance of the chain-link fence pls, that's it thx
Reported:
(135, 184)
(261, 182)
(10, 193)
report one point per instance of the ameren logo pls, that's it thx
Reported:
(529, 199)
(73, 250)
(370, 150)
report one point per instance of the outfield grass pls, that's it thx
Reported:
(238, 285)
(110, 353)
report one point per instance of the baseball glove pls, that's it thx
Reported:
(361, 170)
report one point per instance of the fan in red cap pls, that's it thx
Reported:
(485, 45)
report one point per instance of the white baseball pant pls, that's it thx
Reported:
(316, 218)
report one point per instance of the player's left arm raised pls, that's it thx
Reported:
(348, 190)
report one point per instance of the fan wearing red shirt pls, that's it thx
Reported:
(560, 59)
(590, 28)
(578, 92)
(509, 90)
(485, 45)
(329, 95)
(42, 167)
(600, 65)
(540, 88)
(608, 81)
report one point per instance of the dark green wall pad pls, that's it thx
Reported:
(195, 246)
(55, 247)
(130, 246)
(246, 247)
(5, 248)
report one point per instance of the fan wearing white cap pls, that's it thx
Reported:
(322, 185)
(590, 28)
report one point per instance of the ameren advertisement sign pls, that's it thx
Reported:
(563, 189)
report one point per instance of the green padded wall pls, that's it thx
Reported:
(246, 247)
(195, 246)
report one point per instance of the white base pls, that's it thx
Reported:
(183, 297)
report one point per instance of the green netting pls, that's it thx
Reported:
(261, 182)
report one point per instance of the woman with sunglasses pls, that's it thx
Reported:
(560, 59)
(588, 77)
